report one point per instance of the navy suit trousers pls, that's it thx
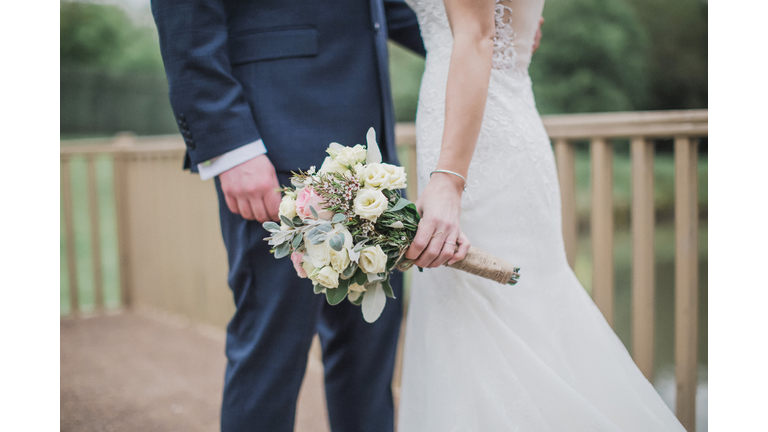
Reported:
(270, 334)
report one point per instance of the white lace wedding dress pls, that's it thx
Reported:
(539, 356)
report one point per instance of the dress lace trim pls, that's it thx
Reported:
(504, 55)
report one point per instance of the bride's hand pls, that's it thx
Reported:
(439, 232)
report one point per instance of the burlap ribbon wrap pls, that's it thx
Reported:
(480, 263)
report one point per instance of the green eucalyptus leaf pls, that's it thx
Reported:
(400, 204)
(349, 271)
(358, 301)
(297, 241)
(336, 295)
(314, 212)
(337, 242)
(287, 221)
(361, 277)
(387, 288)
(271, 226)
(319, 288)
(297, 221)
(283, 250)
(338, 218)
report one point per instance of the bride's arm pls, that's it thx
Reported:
(473, 27)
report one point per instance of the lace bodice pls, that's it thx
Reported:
(516, 25)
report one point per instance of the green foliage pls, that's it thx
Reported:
(405, 69)
(592, 58)
(104, 37)
(678, 61)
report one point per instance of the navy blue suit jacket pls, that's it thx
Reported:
(297, 74)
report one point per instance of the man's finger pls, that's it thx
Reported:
(272, 203)
(245, 209)
(259, 211)
(231, 204)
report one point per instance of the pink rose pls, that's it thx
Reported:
(297, 259)
(307, 197)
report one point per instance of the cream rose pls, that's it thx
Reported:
(307, 266)
(396, 176)
(350, 156)
(327, 277)
(353, 287)
(320, 254)
(370, 204)
(373, 260)
(339, 260)
(288, 207)
(332, 165)
(374, 176)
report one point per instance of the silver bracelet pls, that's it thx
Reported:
(451, 172)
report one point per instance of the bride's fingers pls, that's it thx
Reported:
(421, 241)
(447, 251)
(464, 245)
(432, 250)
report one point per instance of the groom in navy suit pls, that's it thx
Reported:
(260, 88)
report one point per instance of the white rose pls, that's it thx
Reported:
(350, 156)
(373, 260)
(374, 176)
(353, 287)
(327, 277)
(307, 266)
(339, 260)
(396, 176)
(370, 204)
(331, 165)
(288, 207)
(320, 254)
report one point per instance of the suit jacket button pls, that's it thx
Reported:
(191, 144)
(377, 27)
(181, 117)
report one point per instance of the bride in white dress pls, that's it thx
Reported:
(480, 356)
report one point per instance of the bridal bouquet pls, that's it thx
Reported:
(346, 228)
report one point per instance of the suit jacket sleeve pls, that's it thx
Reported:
(211, 110)
(403, 27)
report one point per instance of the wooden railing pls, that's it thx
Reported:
(172, 257)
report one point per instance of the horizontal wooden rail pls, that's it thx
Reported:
(162, 266)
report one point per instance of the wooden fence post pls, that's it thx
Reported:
(642, 255)
(565, 155)
(602, 226)
(121, 183)
(686, 279)
(69, 232)
(93, 202)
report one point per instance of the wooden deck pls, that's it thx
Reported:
(142, 372)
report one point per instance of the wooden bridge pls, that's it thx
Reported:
(159, 364)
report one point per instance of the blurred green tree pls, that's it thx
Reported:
(104, 37)
(593, 57)
(677, 58)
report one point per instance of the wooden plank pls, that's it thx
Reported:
(642, 255)
(122, 200)
(565, 154)
(93, 203)
(69, 233)
(602, 226)
(649, 124)
(686, 280)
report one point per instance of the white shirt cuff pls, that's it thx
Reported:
(212, 168)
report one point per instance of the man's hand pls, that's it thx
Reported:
(250, 189)
(537, 38)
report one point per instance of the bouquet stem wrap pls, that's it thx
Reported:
(480, 263)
